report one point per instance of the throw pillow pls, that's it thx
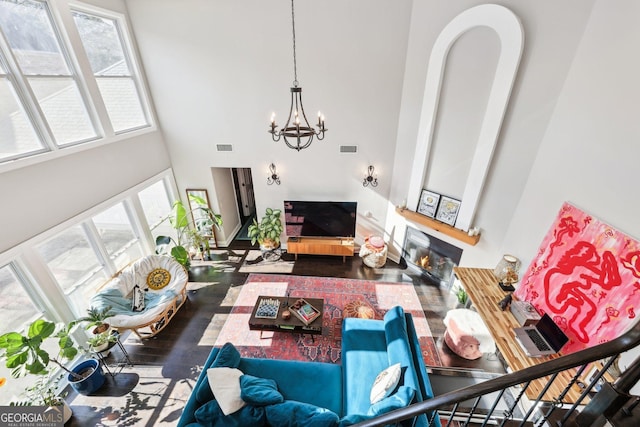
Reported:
(227, 357)
(210, 414)
(259, 391)
(397, 400)
(384, 383)
(225, 385)
(137, 300)
(158, 278)
(291, 413)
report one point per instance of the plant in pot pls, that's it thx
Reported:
(267, 232)
(100, 342)
(96, 319)
(185, 229)
(26, 354)
(44, 392)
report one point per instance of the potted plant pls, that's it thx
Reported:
(267, 232)
(44, 392)
(185, 229)
(100, 342)
(25, 355)
(96, 318)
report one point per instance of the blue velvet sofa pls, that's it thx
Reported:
(343, 391)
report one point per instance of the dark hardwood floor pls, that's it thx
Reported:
(155, 389)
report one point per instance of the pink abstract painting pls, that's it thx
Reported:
(586, 276)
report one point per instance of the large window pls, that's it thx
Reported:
(117, 235)
(103, 43)
(45, 103)
(34, 43)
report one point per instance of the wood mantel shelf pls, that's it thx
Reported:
(441, 227)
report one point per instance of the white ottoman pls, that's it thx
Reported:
(374, 252)
(467, 335)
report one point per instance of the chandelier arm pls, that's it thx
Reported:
(293, 27)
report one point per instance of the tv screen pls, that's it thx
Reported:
(320, 219)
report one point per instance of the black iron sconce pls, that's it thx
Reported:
(273, 177)
(369, 179)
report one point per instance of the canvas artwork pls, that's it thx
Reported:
(586, 276)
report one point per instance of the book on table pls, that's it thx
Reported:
(304, 311)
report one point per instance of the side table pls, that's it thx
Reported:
(120, 364)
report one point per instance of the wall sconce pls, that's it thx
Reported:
(369, 179)
(273, 177)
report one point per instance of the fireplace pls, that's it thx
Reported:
(430, 256)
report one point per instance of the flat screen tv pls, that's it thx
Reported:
(320, 219)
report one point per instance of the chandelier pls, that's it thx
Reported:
(296, 132)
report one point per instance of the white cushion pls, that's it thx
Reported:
(384, 383)
(225, 385)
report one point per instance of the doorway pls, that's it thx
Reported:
(243, 187)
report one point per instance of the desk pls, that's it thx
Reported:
(485, 294)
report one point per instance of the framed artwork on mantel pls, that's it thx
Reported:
(448, 210)
(428, 203)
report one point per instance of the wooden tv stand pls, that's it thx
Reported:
(340, 246)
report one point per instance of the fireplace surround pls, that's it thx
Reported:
(430, 256)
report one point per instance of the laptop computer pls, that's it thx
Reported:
(542, 339)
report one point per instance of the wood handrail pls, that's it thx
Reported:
(623, 343)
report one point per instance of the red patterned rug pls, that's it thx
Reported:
(336, 292)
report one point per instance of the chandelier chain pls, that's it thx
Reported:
(293, 26)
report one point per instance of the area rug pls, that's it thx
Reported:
(336, 292)
(255, 263)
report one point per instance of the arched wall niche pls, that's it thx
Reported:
(509, 30)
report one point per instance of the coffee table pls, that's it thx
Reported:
(293, 324)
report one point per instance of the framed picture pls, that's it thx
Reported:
(448, 210)
(428, 203)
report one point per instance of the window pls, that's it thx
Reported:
(17, 310)
(117, 235)
(102, 40)
(42, 61)
(72, 260)
(157, 207)
(45, 103)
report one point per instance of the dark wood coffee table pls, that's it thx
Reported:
(293, 324)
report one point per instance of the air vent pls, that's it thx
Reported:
(348, 148)
(224, 147)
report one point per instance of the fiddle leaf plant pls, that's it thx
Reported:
(24, 354)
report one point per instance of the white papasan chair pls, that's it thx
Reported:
(164, 282)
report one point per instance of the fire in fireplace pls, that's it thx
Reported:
(430, 256)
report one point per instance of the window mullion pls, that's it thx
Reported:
(93, 235)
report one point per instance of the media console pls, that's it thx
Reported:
(338, 246)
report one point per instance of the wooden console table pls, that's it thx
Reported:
(321, 246)
(485, 294)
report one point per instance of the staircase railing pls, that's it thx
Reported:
(608, 399)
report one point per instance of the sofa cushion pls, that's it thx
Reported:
(210, 414)
(385, 383)
(259, 391)
(316, 383)
(397, 400)
(291, 413)
(364, 355)
(229, 357)
(225, 385)
(398, 348)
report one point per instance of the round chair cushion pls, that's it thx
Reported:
(359, 309)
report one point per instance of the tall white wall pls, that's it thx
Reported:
(589, 153)
(218, 69)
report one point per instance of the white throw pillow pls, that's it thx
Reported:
(225, 385)
(384, 383)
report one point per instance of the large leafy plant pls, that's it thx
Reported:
(188, 231)
(267, 232)
(24, 354)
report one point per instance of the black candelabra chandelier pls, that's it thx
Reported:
(297, 133)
